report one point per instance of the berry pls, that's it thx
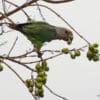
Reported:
(65, 50)
(39, 79)
(89, 54)
(38, 66)
(91, 47)
(1, 68)
(95, 45)
(36, 92)
(41, 95)
(42, 74)
(73, 56)
(44, 63)
(69, 41)
(95, 58)
(29, 83)
(46, 68)
(77, 53)
(40, 91)
(38, 84)
(96, 50)
(44, 79)
(30, 89)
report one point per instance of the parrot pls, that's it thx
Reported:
(39, 32)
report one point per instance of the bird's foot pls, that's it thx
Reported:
(39, 53)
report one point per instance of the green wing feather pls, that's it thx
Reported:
(38, 32)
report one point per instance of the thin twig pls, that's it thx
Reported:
(2, 30)
(24, 55)
(51, 91)
(5, 14)
(18, 62)
(13, 46)
(43, 59)
(59, 53)
(40, 12)
(17, 9)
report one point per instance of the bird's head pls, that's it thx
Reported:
(64, 34)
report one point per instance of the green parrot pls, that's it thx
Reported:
(39, 32)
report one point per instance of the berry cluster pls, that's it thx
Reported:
(36, 85)
(93, 52)
(69, 39)
(73, 54)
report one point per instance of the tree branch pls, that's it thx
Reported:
(17, 9)
(59, 1)
(18, 62)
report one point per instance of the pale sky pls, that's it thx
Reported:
(76, 79)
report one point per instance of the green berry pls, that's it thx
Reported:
(31, 84)
(39, 79)
(95, 58)
(69, 41)
(89, 54)
(42, 74)
(38, 66)
(30, 89)
(65, 50)
(1, 68)
(44, 79)
(44, 63)
(38, 84)
(77, 53)
(96, 50)
(27, 82)
(73, 56)
(95, 45)
(89, 58)
(46, 68)
(36, 92)
(40, 91)
(41, 95)
(91, 47)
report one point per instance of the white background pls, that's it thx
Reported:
(76, 79)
